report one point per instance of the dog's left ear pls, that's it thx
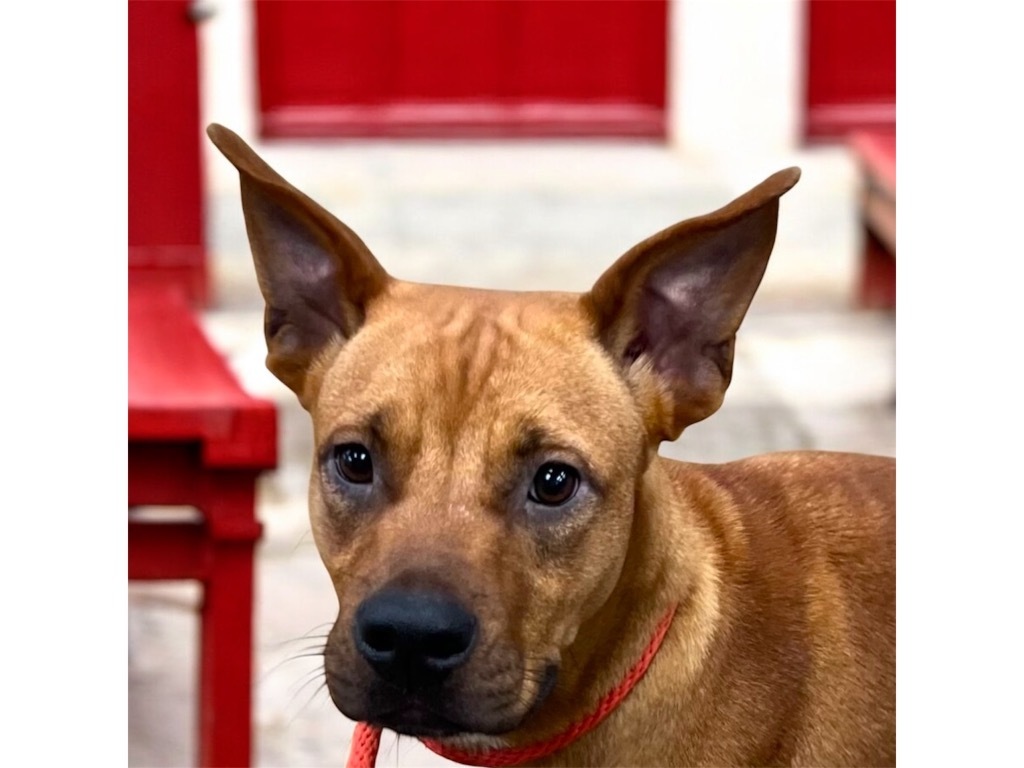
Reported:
(670, 307)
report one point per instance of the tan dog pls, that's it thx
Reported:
(504, 539)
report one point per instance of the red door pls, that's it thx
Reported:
(851, 66)
(455, 68)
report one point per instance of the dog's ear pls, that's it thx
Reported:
(316, 275)
(669, 308)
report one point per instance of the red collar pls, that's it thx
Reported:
(366, 739)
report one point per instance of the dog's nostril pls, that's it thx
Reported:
(444, 647)
(380, 639)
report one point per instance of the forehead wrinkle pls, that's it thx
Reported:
(474, 354)
(485, 347)
(470, 345)
(444, 377)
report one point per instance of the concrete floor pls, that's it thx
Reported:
(810, 372)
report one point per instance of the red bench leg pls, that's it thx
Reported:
(225, 696)
(225, 676)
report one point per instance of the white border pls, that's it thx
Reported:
(64, 561)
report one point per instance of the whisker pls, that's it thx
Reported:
(306, 653)
(319, 689)
(267, 673)
(318, 626)
(301, 541)
(306, 636)
(392, 749)
(311, 677)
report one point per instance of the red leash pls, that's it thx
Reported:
(366, 740)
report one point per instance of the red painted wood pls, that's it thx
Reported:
(446, 51)
(180, 389)
(876, 151)
(163, 473)
(219, 551)
(225, 671)
(466, 121)
(165, 211)
(454, 68)
(167, 551)
(851, 66)
(876, 156)
(196, 439)
(876, 288)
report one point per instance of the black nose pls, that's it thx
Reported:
(413, 639)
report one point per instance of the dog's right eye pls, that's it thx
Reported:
(354, 463)
(554, 484)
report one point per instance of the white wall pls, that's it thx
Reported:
(227, 65)
(735, 110)
(735, 76)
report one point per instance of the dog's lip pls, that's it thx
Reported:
(417, 717)
(547, 685)
(417, 720)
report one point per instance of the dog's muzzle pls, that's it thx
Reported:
(415, 658)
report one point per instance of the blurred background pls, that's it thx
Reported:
(503, 144)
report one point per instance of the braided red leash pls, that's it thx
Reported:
(366, 740)
(365, 744)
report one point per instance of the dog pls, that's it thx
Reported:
(521, 578)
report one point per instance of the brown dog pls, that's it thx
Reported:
(508, 548)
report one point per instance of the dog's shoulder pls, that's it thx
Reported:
(804, 553)
(802, 504)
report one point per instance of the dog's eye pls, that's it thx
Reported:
(554, 484)
(354, 463)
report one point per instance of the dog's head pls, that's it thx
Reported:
(478, 454)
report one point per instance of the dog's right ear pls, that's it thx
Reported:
(316, 275)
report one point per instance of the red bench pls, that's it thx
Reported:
(876, 156)
(195, 439)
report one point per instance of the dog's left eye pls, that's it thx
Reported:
(354, 463)
(554, 484)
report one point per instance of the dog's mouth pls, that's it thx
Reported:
(415, 719)
(547, 685)
(441, 718)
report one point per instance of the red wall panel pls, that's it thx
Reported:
(851, 66)
(449, 67)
